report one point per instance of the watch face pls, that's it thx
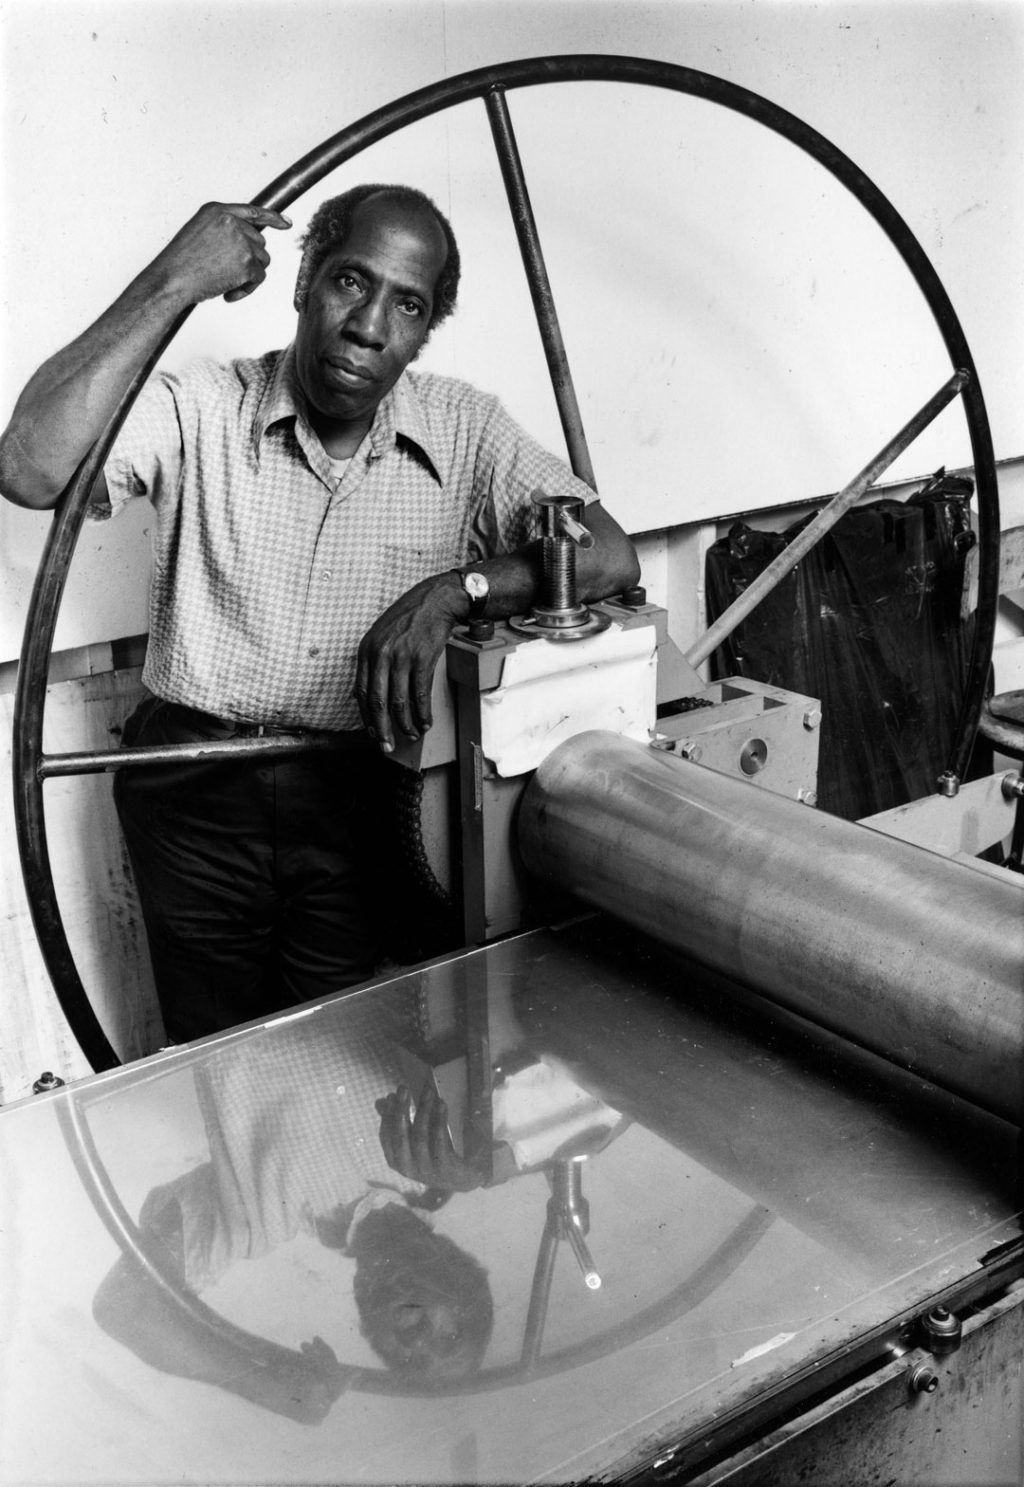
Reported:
(477, 588)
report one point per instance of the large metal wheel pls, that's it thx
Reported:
(32, 767)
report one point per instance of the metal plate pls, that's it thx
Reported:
(767, 1201)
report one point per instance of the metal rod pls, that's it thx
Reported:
(52, 766)
(29, 703)
(540, 1295)
(825, 520)
(584, 1259)
(540, 285)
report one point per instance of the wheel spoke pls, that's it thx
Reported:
(540, 285)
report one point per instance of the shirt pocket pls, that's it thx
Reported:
(406, 563)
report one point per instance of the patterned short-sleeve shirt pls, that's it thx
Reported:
(293, 1135)
(268, 566)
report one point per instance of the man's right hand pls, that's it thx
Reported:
(416, 1142)
(219, 251)
(67, 403)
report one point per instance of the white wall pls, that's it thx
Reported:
(740, 332)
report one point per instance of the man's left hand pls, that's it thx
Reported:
(398, 657)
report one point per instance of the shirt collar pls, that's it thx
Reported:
(399, 415)
(281, 398)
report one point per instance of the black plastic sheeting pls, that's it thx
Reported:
(870, 623)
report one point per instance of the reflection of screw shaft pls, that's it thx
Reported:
(578, 1245)
(559, 557)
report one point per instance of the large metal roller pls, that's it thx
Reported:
(907, 953)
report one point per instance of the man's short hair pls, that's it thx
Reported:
(330, 225)
(425, 1305)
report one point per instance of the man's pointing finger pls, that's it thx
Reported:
(259, 216)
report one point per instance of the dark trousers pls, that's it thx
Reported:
(258, 878)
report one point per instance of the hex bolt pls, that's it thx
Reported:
(812, 717)
(807, 797)
(46, 1082)
(634, 598)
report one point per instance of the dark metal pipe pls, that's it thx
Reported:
(540, 285)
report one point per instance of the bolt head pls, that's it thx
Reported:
(923, 1380)
(634, 598)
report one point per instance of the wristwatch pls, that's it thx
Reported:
(477, 589)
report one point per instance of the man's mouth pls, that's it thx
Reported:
(351, 373)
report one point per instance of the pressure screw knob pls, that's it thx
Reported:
(942, 1331)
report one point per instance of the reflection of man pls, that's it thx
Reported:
(294, 1149)
(323, 519)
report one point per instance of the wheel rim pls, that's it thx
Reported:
(30, 765)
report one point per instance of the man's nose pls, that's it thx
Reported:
(367, 323)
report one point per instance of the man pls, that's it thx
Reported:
(318, 510)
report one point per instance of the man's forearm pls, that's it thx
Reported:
(69, 401)
(515, 579)
(66, 405)
(399, 653)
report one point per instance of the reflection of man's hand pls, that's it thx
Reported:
(327, 1377)
(416, 1142)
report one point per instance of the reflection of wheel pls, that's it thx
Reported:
(32, 767)
(251, 1350)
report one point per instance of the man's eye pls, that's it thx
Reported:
(347, 281)
(411, 307)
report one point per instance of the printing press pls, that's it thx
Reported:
(743, 1150)
(698, 1162)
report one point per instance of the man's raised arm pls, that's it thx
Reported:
(66, 405)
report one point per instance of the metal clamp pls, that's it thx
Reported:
(560, 615)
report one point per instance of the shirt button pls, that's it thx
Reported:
(314, 650)
(326, 575)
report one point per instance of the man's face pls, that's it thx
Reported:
(367, 311)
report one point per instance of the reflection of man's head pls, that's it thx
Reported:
(424, 1305)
